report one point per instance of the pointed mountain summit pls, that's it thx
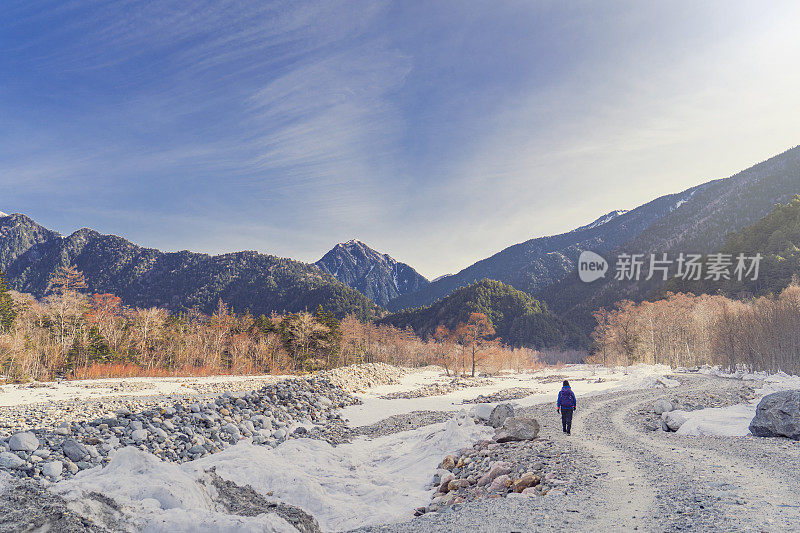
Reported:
(375, 275)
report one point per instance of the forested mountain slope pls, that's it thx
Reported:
(145, 277)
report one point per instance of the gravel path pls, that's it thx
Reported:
(637, 479)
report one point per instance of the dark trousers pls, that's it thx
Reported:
(566, 419)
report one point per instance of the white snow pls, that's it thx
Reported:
(159, 496)
(585, 380)
(605, 219)
(3, 214)
(683, 200)
(363, 483)
(734, 421)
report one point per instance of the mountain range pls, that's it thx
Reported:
(144, 277)
(532, 265)
(353, 278)
(516, 318)
(700, 224)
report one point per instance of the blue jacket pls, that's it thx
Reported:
(566, 399)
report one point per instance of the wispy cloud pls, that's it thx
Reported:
(441, 132)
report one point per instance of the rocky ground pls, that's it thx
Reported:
(356, 378)
(438, 389)
(622, 476)
(619, 470)
(186, 430)
(514, 393)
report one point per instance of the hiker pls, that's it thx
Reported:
(566, 404)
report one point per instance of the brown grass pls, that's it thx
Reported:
(129, 370)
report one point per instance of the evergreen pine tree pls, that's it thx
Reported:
(7, 311)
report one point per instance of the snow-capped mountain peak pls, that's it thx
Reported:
(605, 219)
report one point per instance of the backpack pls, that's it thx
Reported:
(567, 399)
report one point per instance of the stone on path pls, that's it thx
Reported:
(778, 415)
(53, 469)
(663, 406)
(500, 414)
(517, 428)
(674, 419)
(74, 450)
(11, 461)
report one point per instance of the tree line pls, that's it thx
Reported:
(758, 334)
(70, 334)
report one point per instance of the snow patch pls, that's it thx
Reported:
(160, 496)
(363, 483)
(605, 219)
(734, 421)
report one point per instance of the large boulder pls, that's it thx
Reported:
(23, 442)
(674, 419)
(517, 428)
(500, 414)
(663, 406)
(778, 415)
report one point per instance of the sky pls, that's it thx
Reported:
(439, 132)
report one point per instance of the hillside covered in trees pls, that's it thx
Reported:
(776, 237)
(143, 277)
(70, 333)
(515, 317)
(700, 224)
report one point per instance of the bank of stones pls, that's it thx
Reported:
(183, 430)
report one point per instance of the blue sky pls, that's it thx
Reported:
(439, 132)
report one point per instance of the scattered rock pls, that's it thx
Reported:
(674, 419)
(74, 450)
(483, 411)
(25, 442)
(500, 483)
(448, 463)
(438, 389)
(527, 481)
(663, 406)
(514, 393)
(53, 469)
(11, 461)
(497, 469)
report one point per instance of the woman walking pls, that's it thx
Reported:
(566, 404)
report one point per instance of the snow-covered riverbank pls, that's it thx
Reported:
(375, 479)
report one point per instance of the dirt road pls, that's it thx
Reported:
(647, 480)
